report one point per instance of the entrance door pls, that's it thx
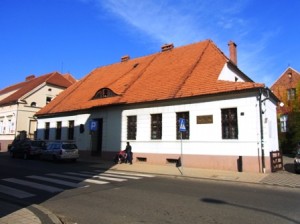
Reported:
(96, 139)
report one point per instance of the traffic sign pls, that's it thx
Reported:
(182, 127)
(93, 125)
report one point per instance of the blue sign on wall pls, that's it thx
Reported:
(93, 125)
(182, 127)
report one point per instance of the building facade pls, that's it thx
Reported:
(19, 103)
(287, 88)
(229, 120)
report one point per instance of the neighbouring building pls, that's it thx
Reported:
(19, 103)
(287, 88)
(190, 102)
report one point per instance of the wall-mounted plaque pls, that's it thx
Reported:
(205, 119)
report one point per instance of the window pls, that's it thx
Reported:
(71, 130)
(185, 134)
(10, 126)
(1, 127)
(104, 93)
(47, 131)
(131, 127)
(229, 123)
(58, 130)
(156, 126)
(283, 123)
(291, 94)
(48, 99)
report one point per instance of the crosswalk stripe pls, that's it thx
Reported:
(115, 175)
(56, 181)
(34, 185)
(15, 192)
(78, 178)
(95, 177)
(126, 173)
(98, 177)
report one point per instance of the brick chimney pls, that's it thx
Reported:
(29, 77)
(232, 52)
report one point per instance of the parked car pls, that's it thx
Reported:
(60, 151)
(297, 161)
(27, 148)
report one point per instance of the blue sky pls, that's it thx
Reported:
(77, 36)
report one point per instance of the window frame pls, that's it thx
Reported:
(230, 129)
(291, 94)
(131, 127)
(156, 126)
(104, 93)
(47, 131)
(71, 130)
(284, 123)
(58, 130)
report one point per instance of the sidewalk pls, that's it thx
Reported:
(281, 178)
(36, 214)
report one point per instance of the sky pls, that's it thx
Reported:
(76, 36)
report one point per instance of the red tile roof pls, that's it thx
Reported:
(20, 89)
(191, 70)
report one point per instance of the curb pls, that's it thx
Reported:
(53, 218)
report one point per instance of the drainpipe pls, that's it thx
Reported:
(261, 112)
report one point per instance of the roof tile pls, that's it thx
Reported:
(191, 70)
(22, 88)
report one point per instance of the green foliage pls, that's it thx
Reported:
(289, 140)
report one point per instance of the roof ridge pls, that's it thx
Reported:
(289, 67)
(190, 71)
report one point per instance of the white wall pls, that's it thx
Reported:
(8, 120)
(82, 139)
(111, 134)
(205, 139)
(228, 75)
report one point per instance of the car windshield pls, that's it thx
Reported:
(69, 146)
(298, 152)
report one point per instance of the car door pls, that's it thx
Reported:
(46, 152)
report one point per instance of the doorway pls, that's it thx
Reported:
(97, 137)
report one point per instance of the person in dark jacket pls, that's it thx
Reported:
(128, 150)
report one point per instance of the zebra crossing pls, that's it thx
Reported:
(58, 182)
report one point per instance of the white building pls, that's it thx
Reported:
(19, 103)
(230, 121)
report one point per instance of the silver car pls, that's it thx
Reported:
(60, 151)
